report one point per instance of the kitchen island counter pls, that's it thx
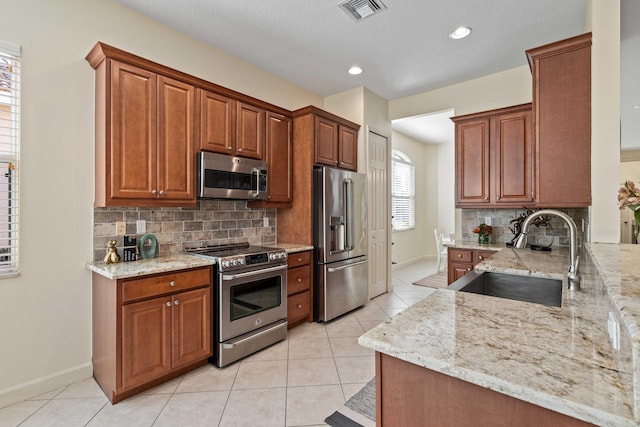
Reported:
(559, 358)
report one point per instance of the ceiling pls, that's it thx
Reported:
(403, 50)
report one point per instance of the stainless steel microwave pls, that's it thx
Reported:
(226, 177)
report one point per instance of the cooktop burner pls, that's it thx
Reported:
(243, 255)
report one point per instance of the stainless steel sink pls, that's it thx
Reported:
(510, 286)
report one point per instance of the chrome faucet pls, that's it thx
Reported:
(573, 276)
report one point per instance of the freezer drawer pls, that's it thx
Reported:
(341, 287)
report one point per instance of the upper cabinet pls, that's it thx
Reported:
(562, 121)
(335, 140)
(494, 158)
(151, 120)
(144, 135)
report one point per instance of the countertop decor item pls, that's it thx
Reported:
(629, 197)
(483, 231)
(112, 256)
(150, 250)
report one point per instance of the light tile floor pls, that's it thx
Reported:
(297, 382)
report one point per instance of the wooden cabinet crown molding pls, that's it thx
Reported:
(558, 48)
(327, 115)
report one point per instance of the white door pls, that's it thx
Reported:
(379, 215)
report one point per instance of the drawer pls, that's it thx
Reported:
(298, 279)
(299, 258)
(162, 284)
(460, 255)
(480, 256)
(298, 306)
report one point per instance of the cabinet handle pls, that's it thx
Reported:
(299, 305)
(229, 148)
(468, 268)
(480, 257)
(498, 198)
(176, 302)
(459, 255)
(239, 149)
(299, 279)
(154, 192)
(168, 303)
(162, 192)
(172, 283)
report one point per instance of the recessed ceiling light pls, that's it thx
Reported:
(636, 107)
(355, 70)
(460, 33)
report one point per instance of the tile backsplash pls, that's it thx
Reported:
(211, 222)
(501, 224)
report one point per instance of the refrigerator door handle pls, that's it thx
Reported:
(348, 207)
(333, 269)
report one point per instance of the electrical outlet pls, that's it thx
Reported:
(487, 220)
(121, 228)
(141, 226)
(265, 221)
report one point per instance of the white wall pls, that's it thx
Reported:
(45, 321)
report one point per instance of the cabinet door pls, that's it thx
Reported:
(217, 123)
(279, 157)
(176, 159)
(457, 270)
(326, 142)
(250, 131)
(512, 147)
(298, 307)
(348, 148)
(191, 320)
(562, 108)
(472, 162)
(146, 341)
(131, 173)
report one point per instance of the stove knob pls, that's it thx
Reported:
(282, 255)
(272, 257)
(241, 261)
(226, 264)
(234, 262)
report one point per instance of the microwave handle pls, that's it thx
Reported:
(256, 192)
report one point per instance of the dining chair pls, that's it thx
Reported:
(441, 248)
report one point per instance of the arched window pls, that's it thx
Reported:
(403, 191)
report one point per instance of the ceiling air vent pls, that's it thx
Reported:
(360, 9)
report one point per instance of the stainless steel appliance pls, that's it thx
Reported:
(340, 240)
(228, 177)
(250, 302)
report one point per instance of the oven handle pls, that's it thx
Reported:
(253, 273)
(256, 193)
(232, 343)
(332, 269)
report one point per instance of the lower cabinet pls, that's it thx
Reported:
(462, 261)
(299, 288)
(149, 329)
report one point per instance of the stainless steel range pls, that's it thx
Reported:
(250, 303)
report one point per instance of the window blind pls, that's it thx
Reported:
(9, 157)
(403, 206)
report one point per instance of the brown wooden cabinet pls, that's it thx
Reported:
(144, 136)
(315, 136)
(149, 329)
(562, 121)
(299, 291)
(461, 261)
(494, 158)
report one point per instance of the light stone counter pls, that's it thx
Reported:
(559, 358)
(293, 247)
(123, 270)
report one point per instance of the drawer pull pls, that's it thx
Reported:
(172, 283)
(299, 259)
(176, 302)
(468, 268)
(299, 305)
(299, 280)
(168, 303)
(480, 257)
(459, 255)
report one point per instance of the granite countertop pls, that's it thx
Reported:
(559, 358)
(163, 264)
(473, 244)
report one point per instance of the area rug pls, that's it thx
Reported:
(359, 411)
(437, 280)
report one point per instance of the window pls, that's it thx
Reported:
(9, 163)
(403, 191)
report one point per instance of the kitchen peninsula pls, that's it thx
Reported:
(456, 358)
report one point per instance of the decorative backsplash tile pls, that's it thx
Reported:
(501, 224)
(212, 222)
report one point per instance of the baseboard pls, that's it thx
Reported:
(412, 261)
(33, 388)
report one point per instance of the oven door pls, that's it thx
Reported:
(250, 300)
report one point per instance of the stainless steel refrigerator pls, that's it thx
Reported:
(340, 239)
